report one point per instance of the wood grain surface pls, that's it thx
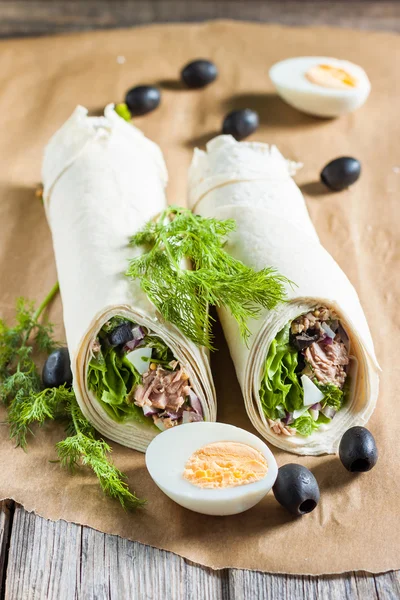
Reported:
(43, 560)
(41, 17)
(64, 561)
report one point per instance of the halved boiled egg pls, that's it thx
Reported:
(321, 86)
(211, 468)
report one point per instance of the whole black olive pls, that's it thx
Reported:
(296, 489)
(240, 123)
(57, 369)
(142, 99)
(121, 335)
(357, 450)
(199, 73)
(340, 173)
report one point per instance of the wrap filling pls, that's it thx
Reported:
(306, 376)
(135, 376)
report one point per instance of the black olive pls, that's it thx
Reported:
(199, 73)
(121, 335)
(301, 363)
(357, 450)
(303, 340)
(240, 123)
(340, 173)
(57, 369)
(142, 99)
(296, 489)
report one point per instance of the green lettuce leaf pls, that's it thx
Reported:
(333, 396)
(322, 419)
(161, 353)
(281, 390)
(305, 424)
(111, 376)
(280, 385)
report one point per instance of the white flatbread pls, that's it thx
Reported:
(252, 184)
(103, 180)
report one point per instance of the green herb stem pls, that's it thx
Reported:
(53, 292)
(36, 315)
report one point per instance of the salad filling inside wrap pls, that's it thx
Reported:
(306, 378)
(135, 376)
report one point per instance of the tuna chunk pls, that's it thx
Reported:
(163, 389)
(328, 361)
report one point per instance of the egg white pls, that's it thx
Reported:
(168, 453)
(291, 83)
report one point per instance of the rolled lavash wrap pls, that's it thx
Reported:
(252, 184)
(103, 180)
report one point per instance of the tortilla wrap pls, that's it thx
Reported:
(252, 184)
(103, 180)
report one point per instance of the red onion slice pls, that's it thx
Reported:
(174, 416)
(195, 403)
(148, 411)
(288, 419)
(189, 416)
(328, 411)
(138, 335)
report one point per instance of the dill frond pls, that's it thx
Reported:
(183, 294)
(30, 406)
(82, 448)
(27, 403)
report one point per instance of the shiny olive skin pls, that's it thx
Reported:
(341, 173)
(296, 489)
(120, 335)
(240, 123)
(199, 73)
(142, 99)
(357, 450)
(57, 369)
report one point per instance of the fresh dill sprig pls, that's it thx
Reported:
(36, 407)
(82, 447)
(184, 270)
(21, 391)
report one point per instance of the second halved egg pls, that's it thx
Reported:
(321, 86)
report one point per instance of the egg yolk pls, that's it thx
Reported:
(225, 464)
(331, 77)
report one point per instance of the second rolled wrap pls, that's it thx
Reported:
(252, 184)
(103, 180)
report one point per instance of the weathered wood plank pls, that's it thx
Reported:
(133, 570)
(6, 511)
(44, 558)
(39, 17)
(388, 586)
(63, 561)
(360, 586)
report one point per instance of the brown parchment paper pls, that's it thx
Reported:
(357, 522)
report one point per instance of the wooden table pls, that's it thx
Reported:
(40, 559)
